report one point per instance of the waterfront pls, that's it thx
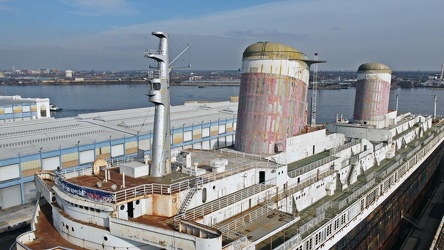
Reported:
(77, 99)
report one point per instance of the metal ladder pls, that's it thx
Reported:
(187, 200)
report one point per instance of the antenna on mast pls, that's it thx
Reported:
(181, 53)
(314, 91)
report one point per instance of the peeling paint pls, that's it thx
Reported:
(271, 106)
(372, 98)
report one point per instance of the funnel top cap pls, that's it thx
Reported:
(374, 68)
(270, 50)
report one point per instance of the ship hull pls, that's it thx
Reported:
(381, 229)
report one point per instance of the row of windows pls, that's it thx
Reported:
(318, 239)
(18, 114)
(84, 207)
(67, 226)
(299, 196)
(17, 108)
(342, 220)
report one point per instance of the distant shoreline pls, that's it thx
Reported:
(92, 82)
(181, 84)
(69, 83)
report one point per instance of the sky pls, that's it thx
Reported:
(113, 34)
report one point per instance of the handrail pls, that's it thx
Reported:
(247, 217)
(347, 145)
(225, 201)
(311, 166)
(236, 242)
(144, 189)
(373, 193)
(35, 214)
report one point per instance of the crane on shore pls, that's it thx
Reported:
(442, 72)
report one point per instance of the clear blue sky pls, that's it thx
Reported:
(113, 34)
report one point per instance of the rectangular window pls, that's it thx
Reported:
(318, 238)
(26, 108)
(328, 230)
(8, 110)
(205, 132)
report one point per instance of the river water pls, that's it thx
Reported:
(78, 99)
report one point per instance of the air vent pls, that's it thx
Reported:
(204, 106)
(227, 110)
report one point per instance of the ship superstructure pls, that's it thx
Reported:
(287, 187)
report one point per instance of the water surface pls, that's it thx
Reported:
(78, 99)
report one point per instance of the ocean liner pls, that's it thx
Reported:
(284, 185)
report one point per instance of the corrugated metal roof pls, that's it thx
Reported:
(31, 136)
(15, 100)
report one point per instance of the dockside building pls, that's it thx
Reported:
(46, 144)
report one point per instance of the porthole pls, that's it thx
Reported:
(214, 187)
(67, 227)
(137, 202)
(122, 207)
(105, 238)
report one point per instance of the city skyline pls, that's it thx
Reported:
(113, 34)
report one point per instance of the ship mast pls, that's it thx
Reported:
(159, 94)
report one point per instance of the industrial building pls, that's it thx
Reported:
(68, 74)
(47, 144)
(16, 108)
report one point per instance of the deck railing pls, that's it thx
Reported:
(225, 201)
(299, 186)
(247, 217)
(153, 188)
(368, 196)
(312, 166)
(43, 187)
(350, 144)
